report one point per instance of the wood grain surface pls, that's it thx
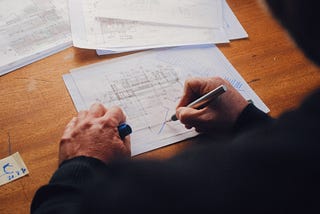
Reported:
(35, 105)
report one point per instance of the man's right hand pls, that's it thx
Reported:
(219, 115)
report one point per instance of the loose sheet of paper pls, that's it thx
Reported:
(231, 25)
(148, 86)
(232, 30)
(91, 32)
(12, 168)
(196, 13)
(31, 30)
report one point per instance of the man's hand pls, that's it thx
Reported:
(219, 115)
(94, 133)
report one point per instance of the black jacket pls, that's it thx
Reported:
(267, 166)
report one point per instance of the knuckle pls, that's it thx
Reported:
(117, 110)
(185, 118)
(110, 122)
(99, 106)
(113, 121)
(83, 112)
(85, 124)
(218, 81)
(188, 81)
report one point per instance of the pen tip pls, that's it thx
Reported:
(174, 118)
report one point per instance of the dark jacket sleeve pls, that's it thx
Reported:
(68, 186)
(251, 117)
(65, 189)
(272, 167)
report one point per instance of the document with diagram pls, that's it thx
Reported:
(148, 86)
(31, 30)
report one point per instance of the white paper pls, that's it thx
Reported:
(232, 28)
(196, 13)
(31, 30)
(119, 35)
(148, 86)
(12, 168)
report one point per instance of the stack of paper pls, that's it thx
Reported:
(126, 25)
(147, 86)
(31, 30)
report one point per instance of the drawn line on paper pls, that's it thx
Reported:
(141, 92)
(164, 122)
(235, 83)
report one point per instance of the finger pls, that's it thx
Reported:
(114, 117)
(188, 127)
(69, 127)
(185, 114)
(82, 115)
(97, 110)
(190, 92)
(194, 118)
(196, 87)
(127, 144)
(71, 123)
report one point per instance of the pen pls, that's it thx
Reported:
(124, 130)
(204, 100)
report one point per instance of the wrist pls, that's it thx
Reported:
(77, 170)
(251, 117)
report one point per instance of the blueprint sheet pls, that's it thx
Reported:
(196, 13)
(148, 86)
(31, 30)
(89, 31)
(232, 29)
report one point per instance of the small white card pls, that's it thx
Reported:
(12, 168)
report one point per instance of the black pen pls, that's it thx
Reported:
(204, 100)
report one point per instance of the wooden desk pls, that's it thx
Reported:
(35, 105)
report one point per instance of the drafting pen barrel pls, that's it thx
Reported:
(124, 130)
(205, 99)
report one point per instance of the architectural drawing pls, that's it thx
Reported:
(144, 93)
(89, 31)
(29, 28)
(148, 86)
(196, 13)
